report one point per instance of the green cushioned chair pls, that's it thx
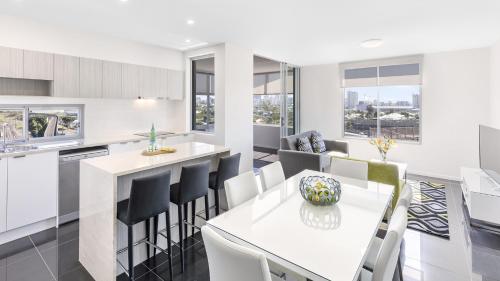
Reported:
(387, 174)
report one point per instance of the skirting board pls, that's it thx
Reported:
(24, 231)
(437, 176)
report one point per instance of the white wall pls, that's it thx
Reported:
(103, 117)
(233, 99)
(495, 86)
(455, 100)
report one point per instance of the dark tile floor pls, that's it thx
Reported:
(53, 255)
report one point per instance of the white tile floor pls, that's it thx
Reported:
(431, 258)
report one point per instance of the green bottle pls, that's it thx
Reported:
(152, 138)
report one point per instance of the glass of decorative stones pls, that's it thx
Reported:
(320, 190)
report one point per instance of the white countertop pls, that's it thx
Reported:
(85, 142)
(318, 242)
(133, 161)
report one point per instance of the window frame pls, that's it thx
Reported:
(419, 142)
(26, 108)
(194, 93)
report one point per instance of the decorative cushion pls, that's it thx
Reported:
(303, 144)
(317, 142)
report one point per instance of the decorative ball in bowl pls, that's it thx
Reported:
(320, 190)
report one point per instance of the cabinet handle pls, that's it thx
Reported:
(123, 142)
(20, 156)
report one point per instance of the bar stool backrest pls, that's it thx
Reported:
(193, 182)
(229, 167)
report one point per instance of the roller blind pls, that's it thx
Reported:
(385, 72)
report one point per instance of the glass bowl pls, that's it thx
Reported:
(320, 190)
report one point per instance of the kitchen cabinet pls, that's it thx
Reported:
(128, 146)
(38, 65)
(32, 188)
(130, 81)
(111, 79)
(152, 82)
(175, 85)
(11, 63)
(66, 76)
(3, 195)
(91, 72)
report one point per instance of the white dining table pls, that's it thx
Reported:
(316, 242)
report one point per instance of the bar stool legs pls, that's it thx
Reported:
(193, 215)
(181, 239)
(217, 208)
(169, 239)
(148, 230)
(207, 209)
(131, 252)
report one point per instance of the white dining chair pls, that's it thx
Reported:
(383, 255)
(240, 189)
(405, 197)
(271, 175)
(228, 261)
(349, 168)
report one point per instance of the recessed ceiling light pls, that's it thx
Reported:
(372, 43)
(187, 40)
(190, 22)
(123, 0)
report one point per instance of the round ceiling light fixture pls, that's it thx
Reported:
(190, 22)
(187, 41)
(372, 43)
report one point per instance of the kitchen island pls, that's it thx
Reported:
(106, 180)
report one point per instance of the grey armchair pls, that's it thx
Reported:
(295, 161)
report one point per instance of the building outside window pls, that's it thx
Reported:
(203, 94)
(383, 98)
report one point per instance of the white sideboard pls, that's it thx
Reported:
(482, 198)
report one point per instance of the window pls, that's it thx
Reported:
(382, 98)
(203, 94)
(267, 99)
(54, 122)
(41, 122)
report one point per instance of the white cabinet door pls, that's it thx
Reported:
(175, 85)
(90, 78)
(130, 81)
(111, 79)
(128, 146)
(38, 65)
(32, 188)
(3, 195)
(66, 76)
(150, 81)
(11, 62)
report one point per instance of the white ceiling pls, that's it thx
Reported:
(298, 31)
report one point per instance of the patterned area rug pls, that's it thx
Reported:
(428, 210)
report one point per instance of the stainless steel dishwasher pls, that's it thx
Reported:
(69, 180)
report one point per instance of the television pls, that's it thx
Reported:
(489, 151)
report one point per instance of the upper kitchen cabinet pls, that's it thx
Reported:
(11, 63)
(152, 82)
(111, 79)
(130, 81)
(38, 65)
(175, 85)
(66, 76)
(91, 77)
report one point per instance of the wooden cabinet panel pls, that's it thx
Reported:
(90, 78)
(32, 188)
(66, 76)
(130, 81)
(3, 195)
(111, 79)
(175, 85)
(11, 63)
(38, 65)
(150, 81)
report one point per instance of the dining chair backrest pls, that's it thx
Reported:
(271, 175)
(228, 261)
(405, 197)
(350, 168)
(388, 255)
(240, 189)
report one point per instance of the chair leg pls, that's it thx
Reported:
(181, 239)
(216, 195)
(155, 233)
(169, 242)
(193, 215)
(207, 209)
(185, 216)
(130, 252)
(400, 269)
(147, 229)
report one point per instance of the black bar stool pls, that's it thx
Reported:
(192, 185)
(229, 167)
(149, 197)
